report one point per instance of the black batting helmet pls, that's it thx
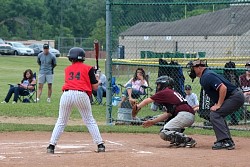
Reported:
(76, 54)
(164, 82)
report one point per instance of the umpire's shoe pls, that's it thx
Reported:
(100, 148)
(50, 149)
(224, 144)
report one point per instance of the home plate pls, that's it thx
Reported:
(70, 146)
(15, 157)
(72, 152)
(142, 152)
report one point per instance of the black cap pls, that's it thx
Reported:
(46, 46)
(188, 87)
(247, 64)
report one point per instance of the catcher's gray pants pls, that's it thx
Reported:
(181, 120)
(217, 118)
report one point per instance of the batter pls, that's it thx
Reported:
(79, 81)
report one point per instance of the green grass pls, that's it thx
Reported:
(8, 127)
(11, 71)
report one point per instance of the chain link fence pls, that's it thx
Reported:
(163, 37)
(64, 44)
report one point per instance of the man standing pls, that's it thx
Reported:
(227, 98)
(47, 63)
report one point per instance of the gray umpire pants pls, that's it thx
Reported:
(217, 118)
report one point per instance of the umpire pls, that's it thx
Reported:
(227, 98)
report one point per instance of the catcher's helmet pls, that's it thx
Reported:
(76, 54)
(164, 82)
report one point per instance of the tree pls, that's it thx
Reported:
(98, 32)
(4, 33)
(95, 9)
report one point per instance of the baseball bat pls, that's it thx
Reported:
(96, 47)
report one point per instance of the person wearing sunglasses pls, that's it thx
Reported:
(134, 86)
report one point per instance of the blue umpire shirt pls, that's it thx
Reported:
(211, 81)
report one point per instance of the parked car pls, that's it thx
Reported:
(20, 49)
(38, 48)
(6, 49)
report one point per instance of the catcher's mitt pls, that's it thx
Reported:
(135, 109)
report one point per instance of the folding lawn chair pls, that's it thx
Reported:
(28, 96)
(115, 91)
(147, 91)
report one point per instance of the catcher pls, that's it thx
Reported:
(176, 110)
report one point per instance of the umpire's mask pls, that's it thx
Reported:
(195, 63)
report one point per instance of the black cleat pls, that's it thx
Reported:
(171, 144)
(191, 143)
(50, 149)
(225, 144)
(100, 148)
(232, 142)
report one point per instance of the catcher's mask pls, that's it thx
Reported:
(195, 63)
(163, 82)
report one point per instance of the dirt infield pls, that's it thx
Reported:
(24, 149)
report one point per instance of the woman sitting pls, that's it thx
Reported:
(27, 84)
(134, 86)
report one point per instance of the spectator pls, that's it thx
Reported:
(191, 98)
(245, 82)
(102, 86)
(231, 75)
(27, 83)
(47, 63)
(133, 86)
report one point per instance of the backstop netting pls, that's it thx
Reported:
(163, 37)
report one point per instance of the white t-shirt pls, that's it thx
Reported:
(103, 81)
(192, 99)
(137, 84)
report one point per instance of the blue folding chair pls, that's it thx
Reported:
(115, 88)
(28, 96)
(115, 91)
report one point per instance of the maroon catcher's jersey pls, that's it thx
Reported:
(170, 97)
